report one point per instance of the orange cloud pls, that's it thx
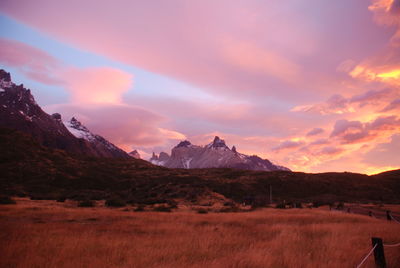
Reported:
(355, 131)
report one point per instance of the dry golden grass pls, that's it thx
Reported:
(48, 234)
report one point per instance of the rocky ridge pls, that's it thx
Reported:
(213, 155)
(19, 110)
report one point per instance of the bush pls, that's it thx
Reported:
(340, 206)
(317, 204)
(162, 209)
(6, 200)
(115, 202)
(298, 205)
(61, 199)
(139, 209)
(281, 205)
(228, 209)
(172, 204)
(202, 211)
(86, 203)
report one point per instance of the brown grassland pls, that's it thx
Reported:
(49, 234)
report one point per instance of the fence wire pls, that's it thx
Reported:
(366, 257)
(391, 245)
(393, 218)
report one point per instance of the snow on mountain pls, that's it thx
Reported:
(80, 131)
(213, 155)
(159, 160)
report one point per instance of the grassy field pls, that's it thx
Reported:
(49, 234)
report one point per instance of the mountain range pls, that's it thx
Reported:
(213, 155)
(19, 110)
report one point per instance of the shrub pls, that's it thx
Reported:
(115, 202)
(281, 205)
(172, 204)
(228, 209)
(298, 205)
(86, 203)
(340, 205)
(162, 209)
(317, 204)
(202, 211)
(6, 200)
(139, 209)
(61, 199)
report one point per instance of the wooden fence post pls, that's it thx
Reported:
(379, 254)
(388, 215)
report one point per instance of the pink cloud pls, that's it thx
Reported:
(374, 96)
(336, 104)
(34, 63)
(355, 131)
(251, 58)
(243, 48)
(330, 150)
(349, 131)
(125, 125)
(384, 154)
(384, 123)
(288, 145)
(320, 142)
(394, 105)
(96, 97)
(315, 131)
(97, 84)
(386, 12)
(86, 85)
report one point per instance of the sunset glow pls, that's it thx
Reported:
(310, 85)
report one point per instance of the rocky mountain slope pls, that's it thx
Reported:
(214, 155)
(19, 110)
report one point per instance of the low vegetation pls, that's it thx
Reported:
(53, 234)
(6, 200)
(86, 203)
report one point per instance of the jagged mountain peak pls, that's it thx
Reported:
(184, 143)
(79, 130)
(5, 76)
(159, 160)
(135, 154)
(218, 143)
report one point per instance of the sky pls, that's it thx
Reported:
(312, 85)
